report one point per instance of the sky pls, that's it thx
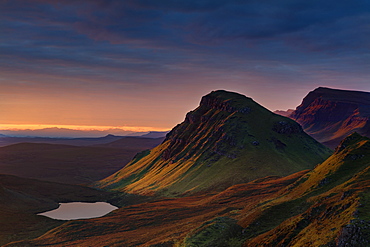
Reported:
(145, 63)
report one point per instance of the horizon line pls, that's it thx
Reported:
(19, 127)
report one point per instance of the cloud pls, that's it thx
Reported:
(119, 45)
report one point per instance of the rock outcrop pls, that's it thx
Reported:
(329, 115)
(353, 234)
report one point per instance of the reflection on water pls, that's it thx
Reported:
(79, 210)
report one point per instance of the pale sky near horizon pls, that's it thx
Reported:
(146, 63)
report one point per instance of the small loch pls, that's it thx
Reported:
(79, 210)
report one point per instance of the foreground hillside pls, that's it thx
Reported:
(168, 221)
(70, 163)
(329, 115)
(327, 206)
(229, 139)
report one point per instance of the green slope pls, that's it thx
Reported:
(326, 207)
(228, 139)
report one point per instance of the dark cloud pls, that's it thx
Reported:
(153, 42)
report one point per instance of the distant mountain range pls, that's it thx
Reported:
(228, 139)
(72, 133)
(284, 113)
(155, 134)
(7, 140)
(329, 115)
(87, 141)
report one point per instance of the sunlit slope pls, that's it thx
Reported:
(326, 207)
(228, 139)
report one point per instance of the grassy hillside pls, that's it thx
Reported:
(327, 206)
(228, 139)
(167, 221)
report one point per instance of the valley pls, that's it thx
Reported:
(21, 199)
(72, 161)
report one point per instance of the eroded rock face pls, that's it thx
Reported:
(321, 112)
(210, 124)
(212, 102)
(329, 115)
(283, 127)
(354, 234)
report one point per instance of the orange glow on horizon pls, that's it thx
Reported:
(77, 127)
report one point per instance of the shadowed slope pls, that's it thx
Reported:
(68, 163)
(329, 115)
(228, 139)
(21, 199)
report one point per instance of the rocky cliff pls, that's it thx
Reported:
(329, 115)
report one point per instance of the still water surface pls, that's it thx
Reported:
(79, 210)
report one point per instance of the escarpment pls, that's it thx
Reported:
(329, 115)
